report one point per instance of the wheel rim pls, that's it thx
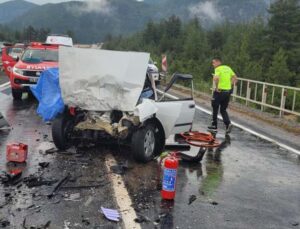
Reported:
(149, 143)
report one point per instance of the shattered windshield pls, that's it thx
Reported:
(37, 56)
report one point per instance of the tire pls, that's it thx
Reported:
(61, 130)
(144, 143)
(17, 94)
(30, 95)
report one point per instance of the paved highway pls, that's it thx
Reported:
(246, 183)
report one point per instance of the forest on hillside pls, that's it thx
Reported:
(260, 49)
(265, 51)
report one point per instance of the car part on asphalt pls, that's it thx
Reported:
(111, 214)
(200, 139)
(57, 187)
(192, 198)
(16, 152)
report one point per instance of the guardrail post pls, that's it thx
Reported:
(273, 92)
(255, 93)
(234, 92)
(294, 101)
(263, 97)
(282, 103)
(248, 93)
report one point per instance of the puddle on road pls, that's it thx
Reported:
(238, 185)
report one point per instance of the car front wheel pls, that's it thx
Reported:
(144, 143)
(62, 128)
(17, 94)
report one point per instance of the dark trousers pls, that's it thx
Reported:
(220, 101)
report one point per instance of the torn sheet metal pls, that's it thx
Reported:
(102, 121)
(145, 110)
(101, 80)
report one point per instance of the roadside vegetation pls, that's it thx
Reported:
(261, 50)
(265, 51)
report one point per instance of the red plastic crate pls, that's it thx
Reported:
(16, 152)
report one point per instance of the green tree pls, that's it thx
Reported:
(279, 72)
(284, 30)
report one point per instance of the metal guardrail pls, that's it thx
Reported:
(267, 95)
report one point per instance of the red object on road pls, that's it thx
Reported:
(200, 139)
(169, 177)
(16, 152)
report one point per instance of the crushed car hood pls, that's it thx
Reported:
(101, 80)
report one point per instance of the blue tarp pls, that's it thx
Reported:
(47, 91)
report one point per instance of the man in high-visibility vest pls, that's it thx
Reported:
(224, 78)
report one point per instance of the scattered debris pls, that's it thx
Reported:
(111, 214)
(295, 224)
(67, 224)
(59, 184)
(192, 199)
(47, 224)
(142, 219)
(73, 197)
(214, 203)
(10, 178)
(85, 221)
(4, 223)
(34, 181)
(85, 186)
(51, 151)
(89, 201)
(120, 168)
(44, 226)
(46, 147)
(44, 164)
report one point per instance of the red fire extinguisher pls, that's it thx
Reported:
(169, 177)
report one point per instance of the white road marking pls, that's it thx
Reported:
(122, 196)
(4, 86)
(284, 146)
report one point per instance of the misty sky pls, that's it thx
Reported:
(40, 2)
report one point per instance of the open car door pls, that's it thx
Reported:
(9, 57)
(176, 114)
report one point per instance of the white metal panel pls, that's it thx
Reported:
(176, 116)
(101, 80)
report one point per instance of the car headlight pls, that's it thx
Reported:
(18, 71)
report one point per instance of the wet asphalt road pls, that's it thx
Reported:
(70, 207)
(247, 183)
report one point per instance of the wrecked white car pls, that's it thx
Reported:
(108, 96)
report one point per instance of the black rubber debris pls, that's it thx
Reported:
(192, 199)
(142, 219)
(35, 181)
(44, 164)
